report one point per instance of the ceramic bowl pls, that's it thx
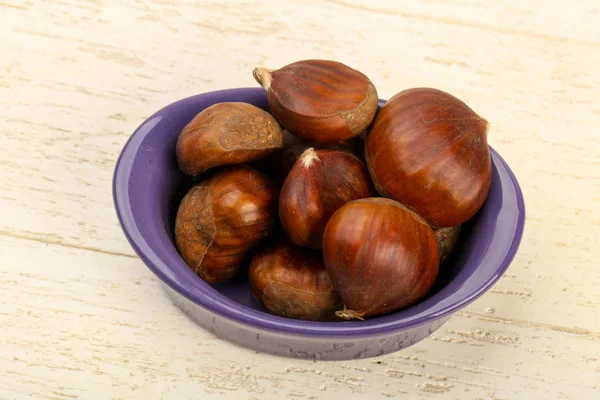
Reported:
(148, 186)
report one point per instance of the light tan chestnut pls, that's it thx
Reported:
(227, 133)
(320, 100)
(320, 182)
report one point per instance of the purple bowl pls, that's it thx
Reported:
(148, 185)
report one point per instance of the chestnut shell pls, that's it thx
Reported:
(320, 100)
(428, 150)
(292, 282)
(320, 182)
(380, 256)
(222, 218)
(447, 239)
(227, 133)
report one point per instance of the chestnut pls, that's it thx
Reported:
(320, 100)
(320, 182)
(447, 239)
(292, 282)
(428, 150)
(380, 256)
(222, 218)
(227, 133)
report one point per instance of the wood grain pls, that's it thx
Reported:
(77, 77)
(107, 331)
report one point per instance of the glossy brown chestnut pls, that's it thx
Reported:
(447, 239)
(222, 218)
(320, 182)
(227, 133)
(292, 282)
(428, 150)
(380, 256)
(320, 100)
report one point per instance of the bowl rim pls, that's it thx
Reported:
(244, 315)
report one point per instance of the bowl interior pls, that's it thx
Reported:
(148, 187)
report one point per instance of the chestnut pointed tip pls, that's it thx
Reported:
(349, 315)
(487, 125)
(484, 126)
(263, 77)
(308, 157)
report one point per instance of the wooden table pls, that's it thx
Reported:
(83, 318)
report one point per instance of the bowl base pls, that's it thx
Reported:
(303, 347)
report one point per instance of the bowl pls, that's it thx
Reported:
(148, 186)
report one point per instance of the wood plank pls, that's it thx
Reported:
(123, 339)
(77, 77)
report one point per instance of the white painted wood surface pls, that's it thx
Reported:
(82, 317)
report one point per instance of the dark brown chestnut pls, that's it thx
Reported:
(428, 150)
(380, 255)
(320, 182)
(227, 133)
(292, 282)
(447, 239)
(222, 218)
(320, 100)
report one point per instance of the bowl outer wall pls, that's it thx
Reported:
(141, 168)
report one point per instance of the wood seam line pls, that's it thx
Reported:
(69, 245)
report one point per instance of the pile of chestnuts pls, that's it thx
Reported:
(334, 208)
